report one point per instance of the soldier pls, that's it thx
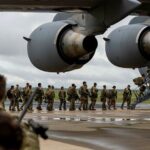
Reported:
(53, 97)
(94, 95)
(26, 91)
(39, 96)
(139, 81)
(16, 98)
(142, 90)
(11, 97)
(14, 136)
(84, 93)
(62, 98)
(127, 94)
(103, 97)
(72, 96)
(29, 94)
(148, 72)
(50, 95)
(113, 98)
(2, 92)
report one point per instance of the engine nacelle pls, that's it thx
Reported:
(56, 47)
(129, 46)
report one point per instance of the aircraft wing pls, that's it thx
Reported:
(61, 5)
(47, 5)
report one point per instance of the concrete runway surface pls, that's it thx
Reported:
(95, 130)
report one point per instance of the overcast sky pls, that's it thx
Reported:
(16, 66)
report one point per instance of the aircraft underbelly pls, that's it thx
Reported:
(37, 5)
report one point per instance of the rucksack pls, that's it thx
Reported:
(9, 94)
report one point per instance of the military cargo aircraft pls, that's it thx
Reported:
(69, 41)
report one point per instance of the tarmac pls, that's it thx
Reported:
(95, 130)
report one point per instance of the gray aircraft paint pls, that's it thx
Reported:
(89, 18)
(123, 47)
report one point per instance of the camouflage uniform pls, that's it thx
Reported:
(94, 95)
(50, 95)
(11, 97)
(26, 95)
(113, 98)
(25, 138)
(62, 98)
(16, 96)
(103, 98)
(127, 94)
(72, 97)
(30, 139)
(39, 97)
(139, 81)
(84, 93)
(30, 93)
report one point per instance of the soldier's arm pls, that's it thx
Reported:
(59, 94)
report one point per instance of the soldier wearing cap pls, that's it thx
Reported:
(94, 95)
(51, 97)
(72, 96)
(127, 94)
(39, 96)
(62, 98)
(11, 97)
(17, 95)
(113, 98)
(103, 97)
(48, 96)
(84, 93)
(25, 95)
(29, 94)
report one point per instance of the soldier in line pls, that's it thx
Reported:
(11, 97)
(39, 96)
(25, 95)
(53, 97)
(103, 97)
(62, 98)
(94, 95)
(127, 94)
(140, 83)
(113, 98)
(84, 93)
(50, 95)
(72, 96)
(30, 93)
(16, 98)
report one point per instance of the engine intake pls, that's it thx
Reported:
(129, 46)
(56, 47)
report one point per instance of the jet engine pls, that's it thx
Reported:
(56, 47)
(129, 46)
